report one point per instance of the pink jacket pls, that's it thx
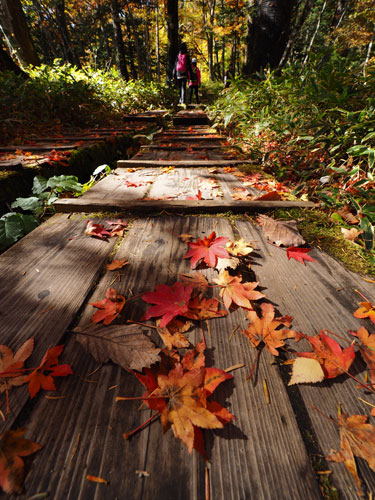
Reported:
(198, 80)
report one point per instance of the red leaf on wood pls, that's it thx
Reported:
(208, 250)
(110, 307)
(42, 377)
(299, 254)
(97, 230)
(170, 302)
(333, 359)
(12, 447)
(271, 196)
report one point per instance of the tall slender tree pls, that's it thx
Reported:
(120, 47)
(7, 63)
(69, 51)
(172, 33)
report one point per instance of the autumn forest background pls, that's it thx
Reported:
(301, 103)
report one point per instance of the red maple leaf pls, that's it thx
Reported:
(333, 359)
(184, 390)
(42, 377)
(208, 250)
(170, 301)
(97, 230)
(299, 254)
(110, 307)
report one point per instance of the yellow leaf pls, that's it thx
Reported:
(306, 371)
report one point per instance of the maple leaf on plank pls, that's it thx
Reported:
(233, 290)
(125, 345)
(204, 309)
(183, 403)
(208, 250)
(357, 438)
(13, 446)
(367, 349)
(117, 264)
(118, 227)
(97, 230)
(239, 248)
(11, 372)
(173, 334)
(367, 310)
(170, 301)
(109, 308)
(42, 377)
(197, 280)
(333, 359)
(265, 328)
(299, 254)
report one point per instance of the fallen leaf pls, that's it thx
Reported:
(299, 254)
(183, 403)
(204, 309)
(208, 250)
(12, 447)
(233, 290)
(185, 237)
(351, 234)
(271, 196)
(306, 371)
(42, 377)
(173, 333)
(357, 438)
(96, 479)
(109, 308)
(231, 263)
(346, 214)
(97, 230)
(170, 301)
(117, 264)
(239, 248)
(264, 328)
(281, 232)
(197, 280)
(11, 372)
(367, 349)
(333, 359)
(125, 345)
(367, 310)
(118, 227)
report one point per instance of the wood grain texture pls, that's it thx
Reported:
(179, 163)
(318, 296)
(260, 455)
(45, 278)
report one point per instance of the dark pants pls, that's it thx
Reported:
(195, 89)
(182, 86)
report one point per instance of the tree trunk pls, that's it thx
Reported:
(267, 34)
(14, 24)
(120, 48)
(137, 43)
(314, 34)
(45, 32)
(341, 8)
(172, 32)
(7, 63)
(69, 53)
(157, 42)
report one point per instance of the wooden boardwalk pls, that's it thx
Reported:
(274, 449)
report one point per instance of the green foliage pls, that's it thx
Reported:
(14, 226)
(81, 98)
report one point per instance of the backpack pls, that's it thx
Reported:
(193, 75)
(182, 63)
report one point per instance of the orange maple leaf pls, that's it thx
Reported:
(180, 396)
(233, 290)
(264, 328)
(110, 307)
(204, 309)
(367, 310)
(367, 349)
(357, 438)
(12, 447)
(42, 377)
(333, 359)
(117, 264)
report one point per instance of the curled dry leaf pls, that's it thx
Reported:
(367, 349)
(197, 280)
(233, 290)
(11, 365)
(351, 234)
(172, 334)
(306, 371)
(231, 263)
(367, 310)
(97, 230)
(125, 345)
(346, 214)
(109, 308)
(239, 248)
(357, 438)
(117, 264)
(13, 446)
(264, 328)
(281, 232)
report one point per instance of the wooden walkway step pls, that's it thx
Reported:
(180, 163)
(190, 117)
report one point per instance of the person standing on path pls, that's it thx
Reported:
(194, 81)
(181, 70)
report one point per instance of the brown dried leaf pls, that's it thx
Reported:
(281, 232)
(125, 345)
(350, 234)
(346, 214)
(172, 334)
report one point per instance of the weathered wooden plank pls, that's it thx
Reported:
(190, 137)
(230, 182)
(15, 164)
(82, 433)
(40, 147)
(179, 163)
(187, 206)
(319, 296)
(183, 147)
(45, 278)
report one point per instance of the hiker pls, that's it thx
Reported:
(181, 70)
(194, 80)
(228, 76)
